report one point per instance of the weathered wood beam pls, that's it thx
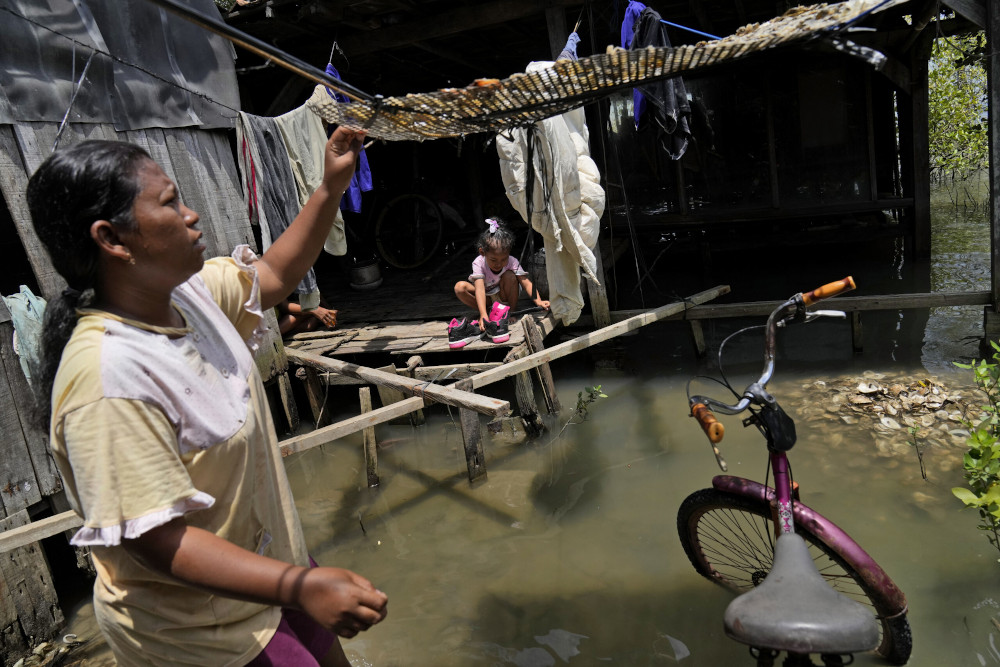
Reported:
(409, 386)
(974, 10)
(845, 303)
(301, 443)
(595, 337)
(38, 530)
(453, 22)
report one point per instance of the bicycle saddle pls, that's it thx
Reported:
(796, 610)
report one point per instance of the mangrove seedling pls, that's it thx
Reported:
(982, 460)
(583, 400)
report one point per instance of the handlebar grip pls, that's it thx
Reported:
(828, 290)
(712, 427)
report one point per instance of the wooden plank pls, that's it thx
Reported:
(316, 393)
(533, 340)
(524, 391)
(599, 308)
(13, 182)
(409, 386)
(330, 433)
(595, 337)
(18, 486)
(15, 538)
(371, 446)
(389, 395)
(974, 10)
(288, 404)
(445, 373)
(28, 581)
(472, 437)
(46, 476)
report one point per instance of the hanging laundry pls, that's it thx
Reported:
(567, 199)
(569, 51)
(269, 187)
(305, 136)
(26, 314)
(362, 179)
(668, 98)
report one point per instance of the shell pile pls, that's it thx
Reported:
(900, 410)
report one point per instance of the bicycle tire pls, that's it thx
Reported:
(729, 539)
(408, 231)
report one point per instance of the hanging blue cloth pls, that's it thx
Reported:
(569, 51)
(632, 13)
(362, 179)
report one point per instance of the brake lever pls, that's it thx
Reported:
(811, 315)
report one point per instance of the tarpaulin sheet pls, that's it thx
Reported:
(151, 69)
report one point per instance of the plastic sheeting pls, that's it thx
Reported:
(151, 69)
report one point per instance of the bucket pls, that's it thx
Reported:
(366, 275)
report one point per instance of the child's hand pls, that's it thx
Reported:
(482, 323)
(542, 303)
(342, 601)
(327, 317)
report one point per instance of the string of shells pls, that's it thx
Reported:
(498, 105)
(900, 410)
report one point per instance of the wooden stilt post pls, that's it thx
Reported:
(698, 334)
(599, 295)
(472, 436)
(412, 364)
(857, 333)
(389, 395)
(533, 339)
(991, 325)
(371, 447)
(524, 391)
(288, 401)
(316, 393)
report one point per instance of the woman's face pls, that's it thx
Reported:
(165, 244)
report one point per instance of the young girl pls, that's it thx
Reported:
(495, 277)
(159, 422)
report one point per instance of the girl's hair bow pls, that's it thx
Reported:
(493, 225)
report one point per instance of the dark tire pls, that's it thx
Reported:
(408, 231)
(730, 540)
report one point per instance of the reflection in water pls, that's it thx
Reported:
(568, 552)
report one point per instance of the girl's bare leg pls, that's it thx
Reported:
(466, 293)
(509, 289)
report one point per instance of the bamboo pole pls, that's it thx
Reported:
(301, 443)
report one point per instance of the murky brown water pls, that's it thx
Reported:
(568, 553)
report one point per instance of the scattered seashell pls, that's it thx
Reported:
(869, 387)
(861, 400)
(891, 423)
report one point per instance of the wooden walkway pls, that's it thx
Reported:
(402, 337)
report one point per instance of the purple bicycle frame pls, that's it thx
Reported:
(889, 601)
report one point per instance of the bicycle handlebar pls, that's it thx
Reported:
(791, 310)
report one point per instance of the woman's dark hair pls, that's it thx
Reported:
(73, 188)
(496, 237)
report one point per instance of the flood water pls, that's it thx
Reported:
(568, 553)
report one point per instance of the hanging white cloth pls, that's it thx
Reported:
(567, 200)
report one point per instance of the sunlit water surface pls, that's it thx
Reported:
(568, 552)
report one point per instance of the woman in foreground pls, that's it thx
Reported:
(160, 426)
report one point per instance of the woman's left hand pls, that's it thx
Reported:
(340, 156)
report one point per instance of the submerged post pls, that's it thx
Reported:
(472, 436)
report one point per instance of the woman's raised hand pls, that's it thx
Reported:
(341, 154)
(342, 601)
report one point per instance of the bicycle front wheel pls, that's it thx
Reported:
(730, 540)
(408, 231)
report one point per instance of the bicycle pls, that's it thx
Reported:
(805, 586)
(410, 228)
